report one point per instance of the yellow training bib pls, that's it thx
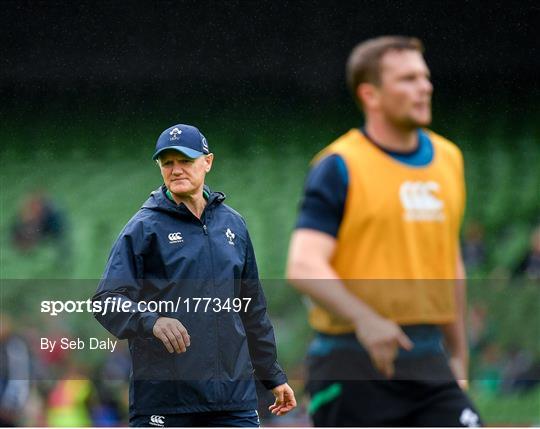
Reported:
(397, 245)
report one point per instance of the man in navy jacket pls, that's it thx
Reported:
(183, 281)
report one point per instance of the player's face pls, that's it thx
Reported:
(184, 176)
(405, 89)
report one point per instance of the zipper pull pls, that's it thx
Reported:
(205, 230)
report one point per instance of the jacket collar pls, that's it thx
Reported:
(159, 200)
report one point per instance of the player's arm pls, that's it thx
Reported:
(455, 333)
(311, 249)
(309, 271)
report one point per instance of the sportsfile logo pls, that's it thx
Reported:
(175, 133)
(158, 421)
(175, 237)
(419, 201)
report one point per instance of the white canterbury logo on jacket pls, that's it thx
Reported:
(157, 421)
(175, 237)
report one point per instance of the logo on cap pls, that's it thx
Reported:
(205, 144)
(175, 134)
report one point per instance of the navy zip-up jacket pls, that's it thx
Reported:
(165, 253)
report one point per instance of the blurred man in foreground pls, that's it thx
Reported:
(376, 248)
(194, 361)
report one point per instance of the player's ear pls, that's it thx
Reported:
(367, 94)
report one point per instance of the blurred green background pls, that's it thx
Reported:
(97, 165)
(97, 169)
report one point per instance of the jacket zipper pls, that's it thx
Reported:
(217, 366)
(205, 232)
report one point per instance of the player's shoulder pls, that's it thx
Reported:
(443, 144)
(337, 145)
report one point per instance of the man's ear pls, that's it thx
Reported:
(368, 95)
(209, 159)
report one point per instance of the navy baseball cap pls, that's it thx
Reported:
(185, 139)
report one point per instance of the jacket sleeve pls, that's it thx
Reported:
(259, 330)
(120, 288)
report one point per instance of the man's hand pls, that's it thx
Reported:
(172, 333)
(381, 338)
(285, 400)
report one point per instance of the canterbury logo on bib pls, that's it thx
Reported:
(420, 202)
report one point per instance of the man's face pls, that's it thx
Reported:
(184, 176)
(404, 93)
